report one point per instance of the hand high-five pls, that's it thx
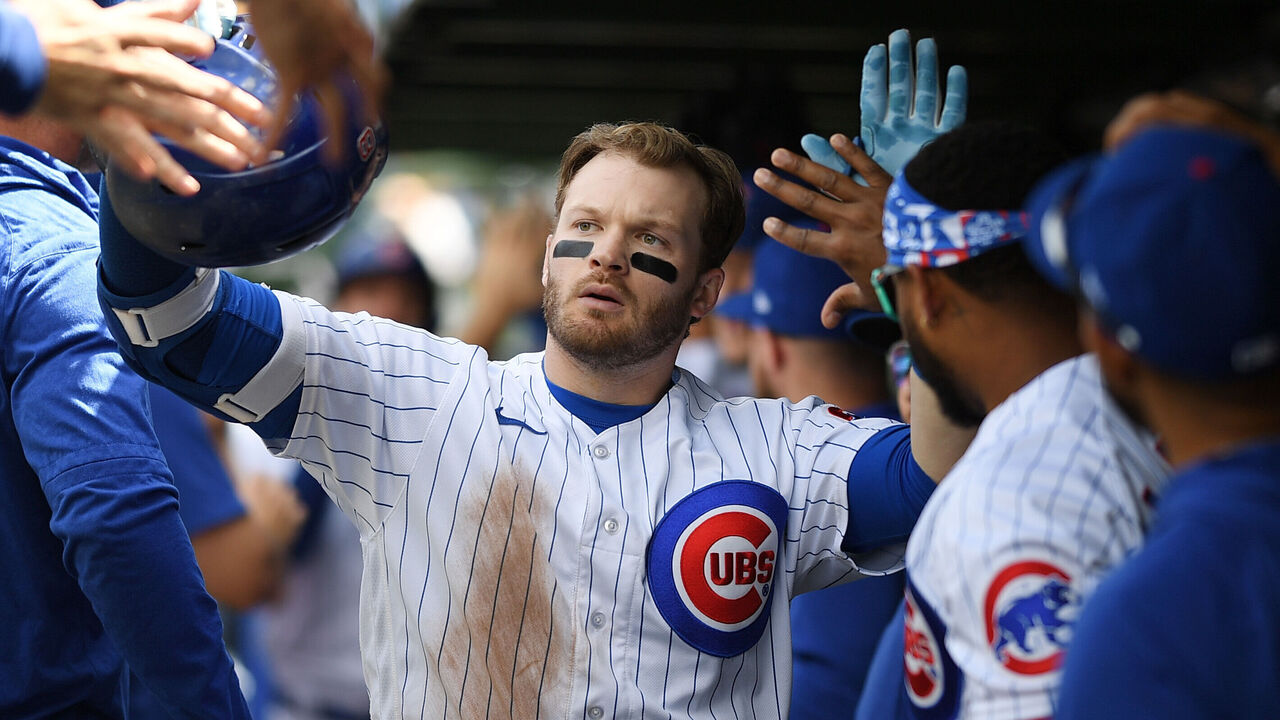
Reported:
(111, 76)
(852, 211)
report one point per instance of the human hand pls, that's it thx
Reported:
(274, 506)
(510, 267)
(313, 44)
(508, 277)
(1183, 108)
(112, 78)
(852, 212)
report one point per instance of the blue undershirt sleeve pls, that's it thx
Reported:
(22, 63)
(887, 491)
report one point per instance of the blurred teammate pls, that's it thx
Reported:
(1057, 486)
(1190, 626)
(240, 530)
(99, 569)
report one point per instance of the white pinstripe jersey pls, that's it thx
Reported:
(505, 542)
(1055, 490)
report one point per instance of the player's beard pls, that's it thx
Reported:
(602, 342)
(958, 405)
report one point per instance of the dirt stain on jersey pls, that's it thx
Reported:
(510, 654)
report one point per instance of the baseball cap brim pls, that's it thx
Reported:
(872, 328)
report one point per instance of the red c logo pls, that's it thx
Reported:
(726, 563)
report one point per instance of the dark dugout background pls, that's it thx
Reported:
(518, 79)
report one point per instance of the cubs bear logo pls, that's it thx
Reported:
(1030, 609)
(712, 564)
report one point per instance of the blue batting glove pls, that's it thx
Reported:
(901, 118)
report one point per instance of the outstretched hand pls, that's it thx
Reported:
(313, 44)
(852, 212)
(112, 78)
(900, 111)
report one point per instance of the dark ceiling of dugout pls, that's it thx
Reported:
(520, 79)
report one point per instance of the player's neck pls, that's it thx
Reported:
(638, 384)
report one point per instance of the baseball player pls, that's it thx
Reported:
(585, 531)
(1190, 626)
(1057, 486)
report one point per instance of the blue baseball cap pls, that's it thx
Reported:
(788, 291)
(1174, 240)
(760, 205)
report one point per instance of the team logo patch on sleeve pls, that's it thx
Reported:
(1030, 610)
(931, 678)
(841, 413)
(712, 564)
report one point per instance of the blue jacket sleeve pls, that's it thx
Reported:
(883, 506)
(22, 63)
(83, 422)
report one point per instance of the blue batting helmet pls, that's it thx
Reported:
(263, 213)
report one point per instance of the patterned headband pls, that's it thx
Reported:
(917, 232)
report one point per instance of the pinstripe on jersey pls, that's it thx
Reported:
(1054, 491)
(504, 551)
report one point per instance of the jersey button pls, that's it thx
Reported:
(595, 712)
(611, 526)
(597, 620)
(600, 451)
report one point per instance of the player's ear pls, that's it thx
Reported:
(546, 259)
(926, 294)
(707, 292)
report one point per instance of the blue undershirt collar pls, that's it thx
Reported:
(599, 416)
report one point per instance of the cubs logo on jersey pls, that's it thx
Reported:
(1030, 609)
(841, 413)
(931, 679)
(712, 564)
